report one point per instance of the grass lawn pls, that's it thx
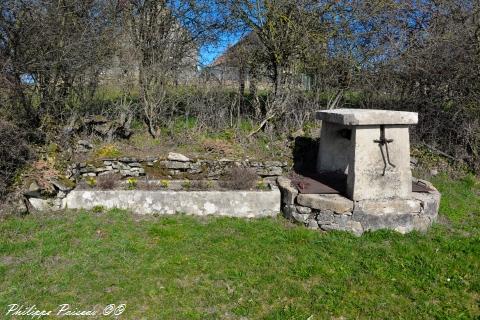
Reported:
(184, 267)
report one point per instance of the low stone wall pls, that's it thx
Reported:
(336, 212)
(233, 203)
(173, 166)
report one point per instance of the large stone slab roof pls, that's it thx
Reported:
(358, 117)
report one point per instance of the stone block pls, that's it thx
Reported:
(135, 165)
(175, 165)
(62, 186)
(43, 204)
(388, 206)
(365, 178)
(325, 217)
(430, 202)
(289, 192)
(173, 156)
(246, 204)
(349, 225)
(422, 223)
(127, 160)
(356, 117)
(304, 210)
(87, 169)
(273, 164)
(288, 211)
(332, 202)
(34, 190)
(403, 222)
(312, 224)
(335, 151)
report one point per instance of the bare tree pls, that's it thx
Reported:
(53, 52)
(168, 35)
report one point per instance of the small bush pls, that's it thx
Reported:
(187, 184)
(91, 182)
(108, 181)
(14, 153)
(108, 151)
(262, 185)
(164, 183)
(238, 178)
(132, 183)
(202, 184)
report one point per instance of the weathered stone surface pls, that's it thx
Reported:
(422, 223)
(223, 203)
(34, 187)
(61, 194)
(135, 165)
(273, 164)
(365, 178)
(348, 225)
(325, 217)
(402, 222)
(312, 224)
(254, 164)
(388, 206)
(87, 169)
(45, 204)
(288, 211)
(333, 202)
(335, 152)
(61, 185)
(299, 217)
(269, 171)
(34, 190)
(150, 159)
(173, 156)
(356, 117)
(128, 159)
(304, 210)
(175, 164)
(430, 203)
(289, 192)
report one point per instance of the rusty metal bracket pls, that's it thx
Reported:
(384, 142)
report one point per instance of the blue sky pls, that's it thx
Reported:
(208, 53)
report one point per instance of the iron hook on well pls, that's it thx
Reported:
(384, 142)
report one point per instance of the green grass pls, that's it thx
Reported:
(183, 267)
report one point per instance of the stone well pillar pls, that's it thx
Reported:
(371, 147)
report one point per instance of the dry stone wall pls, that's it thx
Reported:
(174, 166)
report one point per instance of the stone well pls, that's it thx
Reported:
(368, 154)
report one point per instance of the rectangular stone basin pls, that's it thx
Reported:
(233, 203)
